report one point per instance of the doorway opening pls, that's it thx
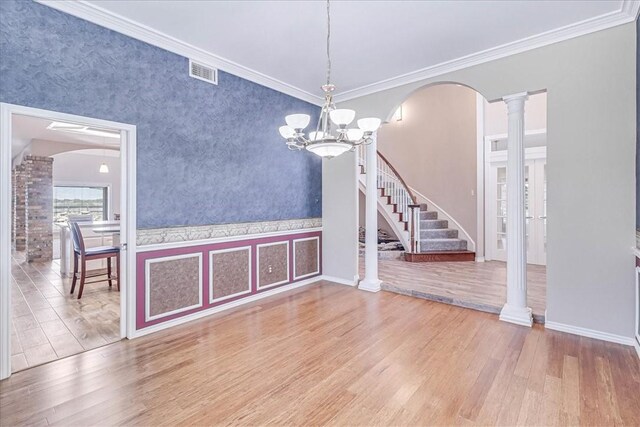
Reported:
(68, 195)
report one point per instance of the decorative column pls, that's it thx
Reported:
(371, 282)
(516, 310)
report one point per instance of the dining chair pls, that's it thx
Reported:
(81, 255)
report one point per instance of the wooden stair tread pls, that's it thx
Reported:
(440, 256)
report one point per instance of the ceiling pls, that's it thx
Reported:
(375, 44)
(24, 129)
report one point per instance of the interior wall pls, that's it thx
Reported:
(535, 115)
(433, 148)
(591, 135)
(340, 212)
(74, 167)
(207, 154)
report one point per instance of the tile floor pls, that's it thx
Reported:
(49, 323)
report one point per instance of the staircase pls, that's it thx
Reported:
(412, 221)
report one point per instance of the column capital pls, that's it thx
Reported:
(516, 97)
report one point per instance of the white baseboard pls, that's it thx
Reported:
(479, 259)
(339, 280)
(636, 344)
(589, 333)
(179, 321)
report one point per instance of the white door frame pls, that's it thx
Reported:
(127, 221)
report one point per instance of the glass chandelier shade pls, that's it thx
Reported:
(331, 136)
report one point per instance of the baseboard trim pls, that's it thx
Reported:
(589, 333)
(636, 344)
(213, 310)
(339, 280)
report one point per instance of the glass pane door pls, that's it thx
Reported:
(501, 211)
(535, 192)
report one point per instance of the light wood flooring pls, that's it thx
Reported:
(330, 354)
(48, 323)
(478, 285)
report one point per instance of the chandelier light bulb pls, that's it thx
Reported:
(316, 136)
(354, 134)
(286, 132)
(298, 121)
(369, 124)
(342, 117)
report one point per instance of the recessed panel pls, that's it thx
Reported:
(306, 257)
(174, 284)
(230, 273)
(273, 264)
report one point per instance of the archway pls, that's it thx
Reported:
(440, 145)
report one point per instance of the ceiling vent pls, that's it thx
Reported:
(203, 72)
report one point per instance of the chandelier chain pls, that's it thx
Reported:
(328, 44)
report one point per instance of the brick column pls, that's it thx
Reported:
(19, 208)
(39, 205)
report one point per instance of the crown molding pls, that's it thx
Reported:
(628, 12)
(104, 18)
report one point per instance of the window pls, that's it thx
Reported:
(71, 200)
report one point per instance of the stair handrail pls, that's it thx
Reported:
(397, 175)
(405, 200)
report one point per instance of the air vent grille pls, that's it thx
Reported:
(203, 72)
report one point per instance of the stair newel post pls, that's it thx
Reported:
(414, 228)
(371, 282)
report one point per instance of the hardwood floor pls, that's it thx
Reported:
(331, 354)
(478, 285)
(49, 323)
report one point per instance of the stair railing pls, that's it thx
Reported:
(393, 185)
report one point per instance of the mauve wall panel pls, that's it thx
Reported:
(230, 272)
(226, 269)
(204, 151)
(273, 264)
(174, 284)
(306, 257)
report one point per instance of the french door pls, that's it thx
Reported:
(535, 178)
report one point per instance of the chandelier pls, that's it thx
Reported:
(331, 137)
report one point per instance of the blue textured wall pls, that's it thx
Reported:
(206, 154)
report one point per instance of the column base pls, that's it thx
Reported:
(370, 285)
(518, 315)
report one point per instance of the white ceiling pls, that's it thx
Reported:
(24, 129)
(375, 44)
